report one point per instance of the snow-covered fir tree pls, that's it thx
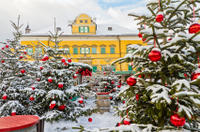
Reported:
(165, 91)
(15, 76)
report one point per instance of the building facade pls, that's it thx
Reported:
(87, 42)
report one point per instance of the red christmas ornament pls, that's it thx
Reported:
(45, 58)
(20, 57)
(25, 52)
(75, 76)
(123, 102)
(80, 101)
(90, 119)
(118, 124)
(60, 85)
(155, 55)
(137, 97)
(144, 39)
(52, 105)
(70, 97)
(111, 97)
(61, 107)
(119, 86)
(194, 28)
(69, 60)
(4, 97)
(22, 71)
(106, 87)
(139, 35)
(41, 68)
(2, 61)
(195, 76)
(31, 98)
(63, 60)
(104, 73)
(2, 48)
(33, 88)
(112, 82)
(114, 90)
(65, 64)
(13, 113)
(140, 76)
(131, 81)
(159, 18)
(185, 75)
(177, 121)
(126, 121)
(50, 80)
(7, 46)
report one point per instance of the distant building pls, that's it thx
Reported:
(87, 42)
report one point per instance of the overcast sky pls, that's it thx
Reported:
(40, 13)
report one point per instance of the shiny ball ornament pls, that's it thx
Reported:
(111, 97)
(123, 101)
(194, 28)
(25, 52)
(139, 35)
(195, 76)
(2, 48)
(159, 18)
(22, 71)
(112, 82)
(137, 97)
(185, 75)
(75, 76)
(31, 98)
(50, 80)
(45, 58)
(80, 101)
(119, 86)
(52, 105)
(2, 61)
(126, 121)
(7, 46)
(106, 87)
(13, 113)
(144, 39)
(131, 81)
(60, 85)
(69, 60)
(155, 55)
(61, 107)
(177, 121)
(38, 79)
(41, 68)
(118, 124)
(63, 60)
(65, 64)
(33, 88)
(90, 119)
(21, 57)
(4, 97)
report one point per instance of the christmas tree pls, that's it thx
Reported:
(57, 94)
(165, 91)
(16, 75)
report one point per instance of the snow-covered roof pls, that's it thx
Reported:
(102, 29)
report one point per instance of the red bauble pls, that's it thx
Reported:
(63, 60)
(140, 76)
(52, 105)
(126, 121)
(106, 87)
(118, 124)
(123, 101)
(104, 73)
(2, 61)
(159, 18)
(4, 97)
(41, 68)
(144, 39)
(61, 107)
(195, 76)
(75, 76)
(137, 97)
(90, 119)
(60, 85)
(139, 35)
(80, 101)
(13, 113)
(185, 75)
(38, 79)
(31, 98)
(177, 121)
(7, 46)
(50, 80)
(2, 48)
(25, 52)
(112, 82)
(33, 88)
(111, 97)
(119, 86)
(22, 71)
(70, 97)
(65, 64)
(194, 28)
(20, 57)
(45, 58)
(131, 81)
(69, 60)
(155, 55)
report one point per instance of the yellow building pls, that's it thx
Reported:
(87, 42)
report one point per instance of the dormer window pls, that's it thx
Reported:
(81, 21)
(109, 28)
(86, 21)
(83, 29)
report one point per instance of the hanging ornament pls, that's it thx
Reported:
(126, 121)
(13, 113)
(106, 87)
(50, 80)
(118, 124)
(20, 57)
(31, 98)
(25, 52)
(65, 64)
(195, 76)
(75, 76)
(137, 97)
(41, 68)
(90, 119)
(114, 90)
(2, 48)
(7, 46)
(159, 18)
(144, 39)
(22, 71)
(139, 35)
(45, 58)
(80, 101)
(63, 60)
(123, 101)
(112, 82)
(111, 97)
(194, 28)
(155, 55)
(104, 73)
(60, 85)
(2, 61)
(119, 86)
(131, 81)
(52, 105)
(38, 79)
(185, 75)
(69, 60)
(33, 88)
(140, 76)
(4, 97)
(177, 121)
(61, 107)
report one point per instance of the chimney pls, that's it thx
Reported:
(27, 30)
(109, 28)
